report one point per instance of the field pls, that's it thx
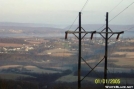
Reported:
(127, 50)
(9, 66)
(35, 41)
(58, 52)
(71, 78)
(20, 42)
(12, 76)
(10, 45)
(68, 78)
(124, 61)
(30, 68)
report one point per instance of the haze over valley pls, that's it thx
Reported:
(34, 50)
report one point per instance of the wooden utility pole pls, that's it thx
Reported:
(79, 60)
(106, 49)
(81, 30)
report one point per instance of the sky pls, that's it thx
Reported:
(65, 11)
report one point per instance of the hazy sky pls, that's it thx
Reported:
(65, 11)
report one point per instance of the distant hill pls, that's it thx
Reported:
(28, 29)
(31, 25)
(92, 27)
(48, 30)
(25, 24)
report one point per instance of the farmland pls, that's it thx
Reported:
(128, 52)
(12, 76)
(37, 58)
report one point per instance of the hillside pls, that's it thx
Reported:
(27, 29)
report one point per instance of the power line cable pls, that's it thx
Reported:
(121, 12)
(100, 27)
(84, 5)
(73, 22)
(131, 28)
(117, 14)
(78, 15)
(116, 6)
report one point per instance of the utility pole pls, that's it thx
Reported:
(106, 37)
(79, 61)
(81, 30)
(106, 49)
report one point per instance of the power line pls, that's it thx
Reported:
(131, 28)
(100, 27)
(116, 6)
(110, 12)
(121, 11)
(84, 5)
(78, 15)
(117, 14)
(73, 22)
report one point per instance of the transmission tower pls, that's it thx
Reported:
(105, 31)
